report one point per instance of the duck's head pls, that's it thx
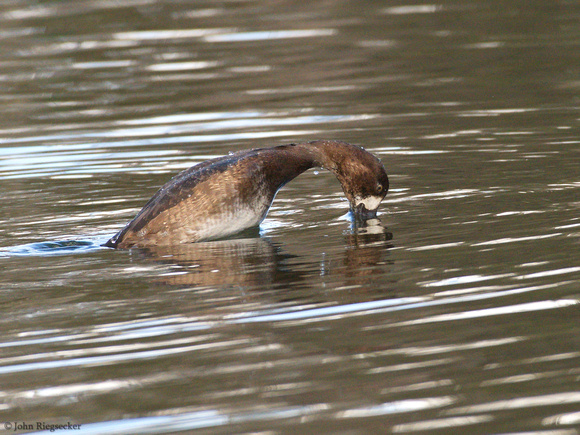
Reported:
(366, 189)
(362, 176)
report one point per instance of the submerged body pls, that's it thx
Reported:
(223, 196)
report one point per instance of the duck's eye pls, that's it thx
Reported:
(379, 188)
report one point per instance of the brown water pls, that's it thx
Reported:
(459, 316)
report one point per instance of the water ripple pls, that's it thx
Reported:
(326, 312)
(441, 423)
(115, 358)
(177, 420)
(161, 35)
(497, 311)
(520, 402)
(464, 322)
(267, 35)
(398, 407)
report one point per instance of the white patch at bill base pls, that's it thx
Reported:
(370, 202)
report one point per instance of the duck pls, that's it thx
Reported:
(223, 196)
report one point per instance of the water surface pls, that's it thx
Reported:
(458, 315)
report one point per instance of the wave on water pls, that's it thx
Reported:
(54, 247)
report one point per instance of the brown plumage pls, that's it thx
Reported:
(228, 194)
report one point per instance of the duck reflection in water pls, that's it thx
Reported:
(367, 247)
(239, 261)
(251, 260)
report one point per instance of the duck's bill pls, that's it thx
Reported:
(361, 213)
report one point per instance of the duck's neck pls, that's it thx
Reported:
(289, 161)
(325, 154)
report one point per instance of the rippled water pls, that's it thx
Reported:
(458, 315)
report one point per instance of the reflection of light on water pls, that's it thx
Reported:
(496, 112)
(550, 273)
(515, 239)
(250, 69)
(320, 312)
(520, 402)
(562, 419)
(235, 123)
(454, 134)
(397, 407)
(146, 35)
(412, 9)
(464, 280)
(520, 213)
(450, 194)
(480, 289)
(45, 158)
(412, 365)
(303, 89)
(562, 227)
(529, 377)
(441, 423)
(67, 160)
(270, 224)
(222, 35)
(191, 117)
(266, 35)
(177, 420)
(113, 162)
(117, 357)
(66, 84)
(220, 121)
(159, 423)
(438, 246)
(97, 387)
(103, 64)
(485, 45)
(437, 349)
(510, 309)
(181, 66)
(466, 296)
